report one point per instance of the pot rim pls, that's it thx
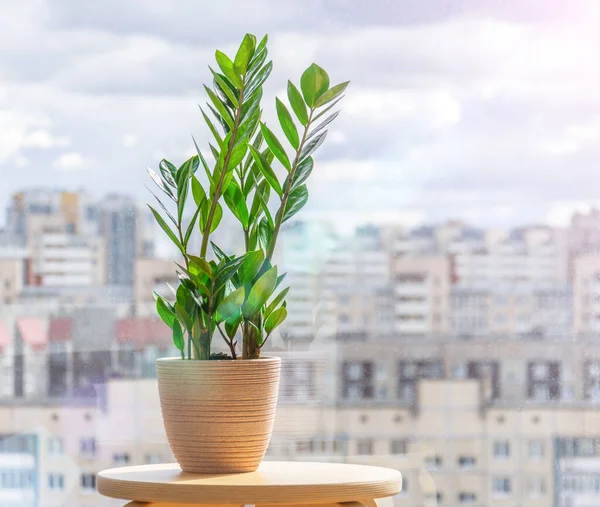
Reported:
(265, 359)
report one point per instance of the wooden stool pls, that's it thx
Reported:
(274, 483)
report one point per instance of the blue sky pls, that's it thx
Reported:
(487, 111)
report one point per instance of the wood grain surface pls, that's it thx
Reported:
(273, 482)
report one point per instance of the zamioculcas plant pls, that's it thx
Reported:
(235, 295)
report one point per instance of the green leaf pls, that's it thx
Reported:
(273, 304)
(248, 127)
(226, 66)
(190, 228)
(231, 325)
(245, 53)
(331, 94)
(178, 340)
(328, 108)
(190, 166)
(197, 191)
(219, 254)
(236, 203)
(321, 126)
(261, 197)
(303, 170)
(212, 128)
(260, 50)
(260, 77)
(251, 266)
(217, 218)
(159, 183)
(165, 310)
(166, 229)
(206, 168)
(296, 200)
(166, 167)
(275, 146)
(312, 146)
(164, 208)
(201, 264)
(231, 305)
(266, 170)
(226, 272)
(251, 103)
(223, 85)
(287, 124)
(237, 155)
(265, 232)
(297, 103)
(313, 83)
(220, 107)
(260, 292)
(276, 318)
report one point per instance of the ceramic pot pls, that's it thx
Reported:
(218, 414)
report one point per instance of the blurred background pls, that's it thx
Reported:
(445, 303)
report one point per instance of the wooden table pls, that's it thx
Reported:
(274, 483)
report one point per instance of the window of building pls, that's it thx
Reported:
(298, 380)
(543, 380)
(591, 380)
(433, 462)
(87, 447)
(536, 486)
(536, 449)
(501, 449)
(357, 380)
(467, 497)
(409, 372)
(398, 447)
(466, 462)
(88, 481)
(121, 458)
(55, 445)
(501, 485)
(56, 481)
(364, 446)
(487, 371)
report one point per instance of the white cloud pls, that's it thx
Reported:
(43, 139)
(130, 140)
(20, 160)
(70, 161)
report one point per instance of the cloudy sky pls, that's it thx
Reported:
(487, 111)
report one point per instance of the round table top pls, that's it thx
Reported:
(273, 482)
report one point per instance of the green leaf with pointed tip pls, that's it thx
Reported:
(236, 203)
(260, 292)
(204, 164)
(297, 103)
(260, 77)
(166, 166)
(260, 50)
(265, 233)
(303, 170)
(190, 228)
(223, 85)
(166, 229)
(328, 108)
(333, 93)
(231, 305)
(212, 128)
(251, 266)
(165, 310)
(266, 170)
(287, 124)
(237, 155)
(163, 207)
(197, 191)
(245, 53)
(273, 304)
(276, 318)
(232, 325)
(322, 125)
(227, 67)
(201, 264)
(217, 218)
(219, 254)
(262, 192)
(178, 340)
(275, 146)
(220, 107)
(313, 83)
(190, 166)
(312, 145)
(296, 201)
(159, 183)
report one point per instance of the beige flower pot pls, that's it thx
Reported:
(219, 414)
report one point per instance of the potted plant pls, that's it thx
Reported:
(218, 409)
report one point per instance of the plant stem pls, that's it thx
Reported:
(219, 187)
(286, 192)
(228, 342)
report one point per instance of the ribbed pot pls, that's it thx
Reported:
(219, 414)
